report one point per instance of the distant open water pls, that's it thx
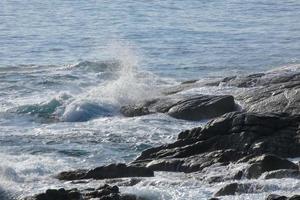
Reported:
(66, 67)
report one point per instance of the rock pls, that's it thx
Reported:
(196, 107)
(278, 197)
(274, 91)
(104, 192)
(281, 97)
(107, 172)
(266, 163)
(133, 111)
(277, 91)
(238, 188)
(230, 189)
(282, 173)
(60, 194)
(202, 107)
(226, 139)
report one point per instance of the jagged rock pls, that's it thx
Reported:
(106, 172)
(133, 111)
(266, 163)
(282, 173)
(196, 107)
(238, 188)
(275, 91)
(227, 139)
(104, 192)
(230, 189)
(60, 194)
(278, 197)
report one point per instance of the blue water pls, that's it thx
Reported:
(175, 38)
(67, 66)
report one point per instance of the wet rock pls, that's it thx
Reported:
(266, 163)
(226, 139)
(277, 91)
(196, 107)
(133, 111)
(281, 97)
(230, 189)
(107, 172)
(238, 188)
(202, 107)
(60, 194)
(278, 197)
(104, 192)
(282, 173)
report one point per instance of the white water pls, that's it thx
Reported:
(63, 78)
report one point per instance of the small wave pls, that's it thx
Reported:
(286, 68)
(94, 98)
(45, 111)
(97, 66)
(80, 112)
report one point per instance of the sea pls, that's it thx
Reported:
(67, 66)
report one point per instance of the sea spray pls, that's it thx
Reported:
(130, 85)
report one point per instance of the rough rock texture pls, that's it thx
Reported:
(105, 192)
(194, 107)
(238, 188)
(277, 91)
(274, 91)
(109, 171)
(282, 173)
(227, 139)
(266, 163)
(278, 197)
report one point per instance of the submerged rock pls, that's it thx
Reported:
(107, 172)
(196, 107)
(227, 139)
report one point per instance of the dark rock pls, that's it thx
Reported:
(133, 111)
(230, 189)
(227, 139)
(266, 163)
(282, 173)
(238, 188)
(104, 192)
(107, 172)
(60, 194)
(277, 91)
(295, 197)
(196, 107)
(202, 107)
(278, 197)
(72, 175)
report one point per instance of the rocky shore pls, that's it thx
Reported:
(258, 128)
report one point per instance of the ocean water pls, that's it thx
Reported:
(66, 67)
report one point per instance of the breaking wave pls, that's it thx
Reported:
(128, 84)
